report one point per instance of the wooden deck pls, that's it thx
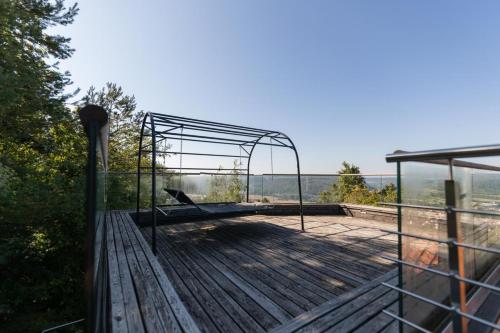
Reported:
(142, 299)
(251, 274)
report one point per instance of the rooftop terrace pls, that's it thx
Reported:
(429, 263)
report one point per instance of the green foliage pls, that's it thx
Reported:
(32, 89)
(41, 171)
(389, 193)
(351, 188)
(124, 125)
(224, 188)
(123, 144)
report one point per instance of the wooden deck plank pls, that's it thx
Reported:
(318, 314)
(231, 307)
(320, 227)
(302, 260)
(142, 299)
(163, 312)
(379, 322)
(268, 273)
(259, 298)
(286, 299)
(393, 327)
(285, 268)
(255, 274)
(196, 309)
(366, 314)
(118, 318)
(214, 310)
(143, 293)
(256, 311)
(340, 316)
(308, 239)
(356, 256)
(182, 315)
(301, 249)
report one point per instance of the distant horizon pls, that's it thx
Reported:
(346, 81)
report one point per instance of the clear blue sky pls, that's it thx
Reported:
(347, 80)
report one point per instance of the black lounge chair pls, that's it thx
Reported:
(211, 208)
(180, 196)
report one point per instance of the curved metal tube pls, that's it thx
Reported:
(301, 210)
(139, 157)
(151, 117)
(153, 176)
(153, 183)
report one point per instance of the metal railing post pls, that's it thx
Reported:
(93, 118)
(400, 244)
(461, 314)
(90, 207)
(153, 184)
(262, 188)
(455, 259)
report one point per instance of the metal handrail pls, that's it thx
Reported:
(436, 154)
(407, 322)
(457, 280)
(477, 247)
(444, 274)
(412, 206)
(430, 239)
(267, 174)
(442, 306)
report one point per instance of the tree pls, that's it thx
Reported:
(41, 162)
(349, 178)
(235, 186)
(224, 189)
(351, 188)
(216, 189)
(124, 134)
(31, 89)
(389, 193)
(124, 124)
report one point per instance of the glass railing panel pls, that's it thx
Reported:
(314, 185)
(478, 190)
(378, 182)
(281, 189)
(423, 184)
(256, 189)
(122, 188)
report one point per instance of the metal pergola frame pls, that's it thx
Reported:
(161, 127)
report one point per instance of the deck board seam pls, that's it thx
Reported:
(297, 261)
(124, 277)
(203, 265)
(339, 270)
(275, 276)
(322, 310)
(168, 318)
(169, 292)
(143, 296)
(208, 290)
(198, 307)
(115, 284)
(323, 291)
(259, 297)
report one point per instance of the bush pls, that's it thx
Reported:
(352, 188)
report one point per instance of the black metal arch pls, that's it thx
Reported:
(160, 127)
